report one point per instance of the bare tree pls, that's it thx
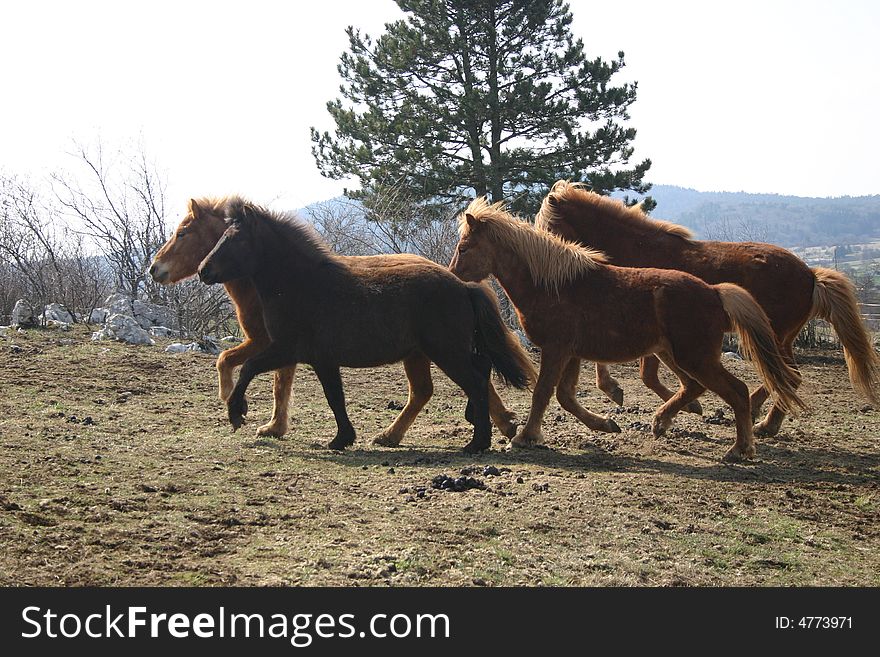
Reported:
(48, 261)
(735, 229)
(119, 203)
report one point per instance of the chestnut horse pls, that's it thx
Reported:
(789, 292)
(179, 258)
(320, 310)
(574, 305)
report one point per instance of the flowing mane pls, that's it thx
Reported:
(575, 194)
(551, 260)
(296, 236)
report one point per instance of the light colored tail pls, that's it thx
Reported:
(758, 344)
(834, 299)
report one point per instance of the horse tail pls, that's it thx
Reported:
(758, 343)
(495, 340)
(834, 300)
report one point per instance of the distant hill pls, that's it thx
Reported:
(784, 220)
(790, 221)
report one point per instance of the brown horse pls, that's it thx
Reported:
(574, 305)
(179, 258)
(320, 310)
(787, 289)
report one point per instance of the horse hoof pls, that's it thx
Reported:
(236, 420)
(475, 447)
(341, 442)
(658, 427)
(611, 426)
(694, 407)
(271, 430)
(509, 431)
(384, 440)
(521, 441)
(735, 455)
(764, 429)
(617, 396)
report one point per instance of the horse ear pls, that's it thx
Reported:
(194, 208)
(472, 221)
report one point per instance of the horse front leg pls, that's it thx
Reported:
(277, 426)
(229, 359)
(273, 357)
(418, 374)
(552, 361)
(566, 395)
(331, 382)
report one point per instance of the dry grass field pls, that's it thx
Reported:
(117, 467)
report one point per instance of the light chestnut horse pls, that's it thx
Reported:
(789, 292)
(179, 258)
(574, 305)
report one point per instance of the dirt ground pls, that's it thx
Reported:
(117, 467)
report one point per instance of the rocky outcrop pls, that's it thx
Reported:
(123, 328)
(23, 314)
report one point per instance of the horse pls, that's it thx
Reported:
(574, 305)
(789, 292)
(321, 310)
(179, 258)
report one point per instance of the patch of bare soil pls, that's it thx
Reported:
(117, 467)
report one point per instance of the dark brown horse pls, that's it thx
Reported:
(573, 305)
(320, 310)
(179, 258)
(787, 289)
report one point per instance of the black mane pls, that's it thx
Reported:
(294, 234)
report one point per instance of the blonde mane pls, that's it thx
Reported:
(551, 260)
(566, 191)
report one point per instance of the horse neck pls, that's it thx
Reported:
(516, 278)
(287, 267)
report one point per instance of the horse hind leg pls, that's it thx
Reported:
(470, 372)
(331, 382)
(771, 424)
(566, 395)
(501, 416)
(608, 384)
(712, 375)
(689, 390)
(649, 373)
(283, 383)
(421, 388)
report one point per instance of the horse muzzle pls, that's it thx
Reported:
(207, 275)
(158, 272)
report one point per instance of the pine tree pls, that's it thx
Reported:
(490, 97)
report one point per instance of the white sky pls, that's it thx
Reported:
(760, 96)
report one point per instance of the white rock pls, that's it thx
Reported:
(57, 324)
(123, 328)
(149, 314)
(179, 348)
(23, 314)
(58, 313)
(161, 332)
(732, 355)
(98, 316)
(118, 304)
(231, 339)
